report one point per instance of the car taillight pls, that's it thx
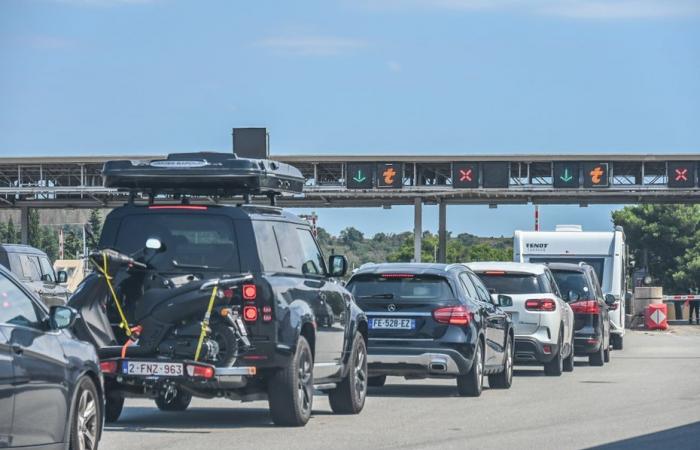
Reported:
(108, 366)
(250, 291)
(540, 304)
(398, 275)
(452, 315)
(250, 313)
(194, 370)
(585, 307)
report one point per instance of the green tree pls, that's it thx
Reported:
(667, 237)
(11, 235)
(35, 231)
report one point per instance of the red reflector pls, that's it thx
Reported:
(108, 366)
(255, 357)
(547, 349)
(200, 371)
(398, 275)
(592, 341)
(267, 309)
(495, 272)
(267, 317)
(189, 207)
(250, 313)
(250, 291)
(452, 315)
(540, 304)
(585, 307)
(228, 293)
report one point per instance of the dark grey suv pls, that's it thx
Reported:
(434, 321)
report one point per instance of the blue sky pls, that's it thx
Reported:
(382, 76)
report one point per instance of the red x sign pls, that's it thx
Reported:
(465, 175)
(681, 174)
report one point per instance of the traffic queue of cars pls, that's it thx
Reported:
(238, 302)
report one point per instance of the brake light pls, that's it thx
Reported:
(585, 307)
(495, 272)
(108, 366)
(194, 370)
(250, 291)
(452, 315)
(228, 293)
(188, 207)
(540, 304)
(250, 313)
(398, 275)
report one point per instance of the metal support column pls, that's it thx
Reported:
(417, 229)
(442, 231)
(24, 224)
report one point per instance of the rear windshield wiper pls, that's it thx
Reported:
(387, 296)
(194, 266)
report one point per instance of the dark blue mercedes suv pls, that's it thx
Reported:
(434, 321)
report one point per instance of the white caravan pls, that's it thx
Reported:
(605, 251)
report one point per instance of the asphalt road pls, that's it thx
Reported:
(647, 397)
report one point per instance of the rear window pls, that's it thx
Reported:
(417, 288)
(514, 283)
(197, 242)
(598, 264)
(570, 281)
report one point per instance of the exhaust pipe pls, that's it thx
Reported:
(438, 366)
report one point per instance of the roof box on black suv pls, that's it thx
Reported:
(205, 173)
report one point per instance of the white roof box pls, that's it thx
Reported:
(568, 228)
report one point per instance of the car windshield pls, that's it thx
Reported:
(598, 264)
(572, 282)
(512, 283)
(189, 241)
(413, 288)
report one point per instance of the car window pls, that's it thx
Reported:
(553, 284)
(503, 282)
(16, 307)
(267, 246)
(204, 241)
(481, 290)
(572, 281)
(47, 270)
(312, 258)
(468, 286)
(30, 267)
(290, 251)
(596, 285)
(409, 287)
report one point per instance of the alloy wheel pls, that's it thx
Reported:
(86, 417)
(305, 382)
(360, 376)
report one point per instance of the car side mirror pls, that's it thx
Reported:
(61, 317)
(338, 266)
(610, 299)
(505, 300)
(572, 296)
(62, 277)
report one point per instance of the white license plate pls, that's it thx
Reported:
(392, 324)
(150, 368)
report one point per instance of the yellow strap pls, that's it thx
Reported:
(205, 323)
(124, 323)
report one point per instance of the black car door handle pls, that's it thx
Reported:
(17, 349)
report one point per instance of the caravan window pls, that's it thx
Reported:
(598, 264)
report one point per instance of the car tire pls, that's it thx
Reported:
(349, 396)
(114, 404)
(606, 355)
(598, 358)
(179, 402)
(291, 389)
(471, 383)
(555, 367)
(86, 416)
(616, 340)
(504, 379)
(569, 361)
(377, 381)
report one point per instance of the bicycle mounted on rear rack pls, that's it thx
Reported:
(184, 299)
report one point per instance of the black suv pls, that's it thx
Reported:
(304, 329)
(434, 320)
(579, 286)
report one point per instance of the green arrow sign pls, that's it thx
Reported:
(566, 177)
(359, 177)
